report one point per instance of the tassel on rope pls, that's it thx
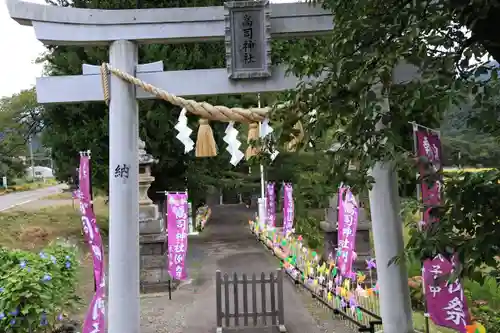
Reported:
(205, 142)
(253, 134)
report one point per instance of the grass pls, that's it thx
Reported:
(34, 229)
(60, 196)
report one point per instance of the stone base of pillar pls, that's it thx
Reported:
(153, 263)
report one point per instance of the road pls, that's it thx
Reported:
(11, 200)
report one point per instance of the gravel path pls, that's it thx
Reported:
(227, 245)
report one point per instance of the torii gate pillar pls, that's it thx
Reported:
(123, 194)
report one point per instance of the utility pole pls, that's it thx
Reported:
(30, 142)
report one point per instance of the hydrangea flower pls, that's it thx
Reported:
(68, 264)
(2, 315)
(13, 322)
(14, 312)
(60, 317)
(43, 255)
(1, 290)
(44, 321)
(53, 259)
(22, 264)
(46, 278)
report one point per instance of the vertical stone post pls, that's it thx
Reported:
(154, 275)
(330, 229)
(395, 306)
(123, 303)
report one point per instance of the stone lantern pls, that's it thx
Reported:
(152, 233)
(330, 230)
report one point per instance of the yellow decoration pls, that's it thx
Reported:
(347, 284)
(253, 134)
(329, 296)
(476, 328)
(205, 142)
(315, 282)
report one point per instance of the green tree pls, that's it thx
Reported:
(20, 119)
(358, 59)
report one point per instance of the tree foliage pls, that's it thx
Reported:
(20, 119)
(364, 108)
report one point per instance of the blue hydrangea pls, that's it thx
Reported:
(43, 255)
(2, 315)
(68, 264)
(1, 290)
(53, 259)
(22, 264)
(46, 278)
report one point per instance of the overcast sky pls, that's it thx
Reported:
(20, 48)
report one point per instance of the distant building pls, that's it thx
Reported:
(41, 172)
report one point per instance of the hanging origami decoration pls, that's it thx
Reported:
(233, 144)
(184, 132)
(265, 130)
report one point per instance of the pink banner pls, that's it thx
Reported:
(93, 239)
(446, 303)
(429, 145)
(347, 227)
(288, 208)
(271, 205)
(177, 226)
(95, 317)
(84, 178)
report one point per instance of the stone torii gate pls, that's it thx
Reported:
(123, 30)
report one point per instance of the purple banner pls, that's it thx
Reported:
(446, 303)
(94, 320)
(93, 239)
(271, 205)
(347, 227)
(288, 208)
(84, 178)
(95, 317)
(429, 145)
(177, 227)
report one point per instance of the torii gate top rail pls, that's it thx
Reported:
(75, 26)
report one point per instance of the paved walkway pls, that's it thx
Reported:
(11, 200)
(227, 245)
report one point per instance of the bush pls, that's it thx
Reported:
(35, 289)
(416, 293)
(490, 318)
(308, 227)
